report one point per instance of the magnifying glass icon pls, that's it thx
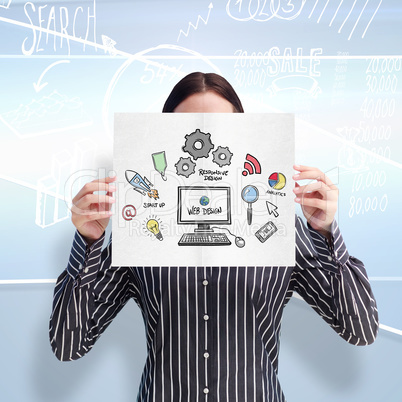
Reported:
(249, 194)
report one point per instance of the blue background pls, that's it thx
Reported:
(337, 69)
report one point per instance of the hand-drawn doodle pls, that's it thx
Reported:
(277, 181)
(295, 83)
(272, 209)
(250, 195)
(109, 45)
(51, 114)
(6, 4)
(61, 23)
(203, 206)
(198, 144)
(38, 86)
(204, 239)
(141, 184)
(289, 10)
(365, 12)
(128, 212)
(160, 163)
(239, 241)
(251, 166)
(264, 11)
(266, 231)
(222, 156)
(153, 227)
(185, 167)
(190, 24)
(204, 200)
(50, 207)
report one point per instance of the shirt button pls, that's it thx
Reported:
(206, 390)
(206, 355)
(206, 317)
(329, 258)
(86, 269)
(205, 282)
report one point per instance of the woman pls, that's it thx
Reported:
(211, 332)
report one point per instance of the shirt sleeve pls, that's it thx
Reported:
(88, 295)
(335, 284)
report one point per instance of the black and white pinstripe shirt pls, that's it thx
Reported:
(212, 332)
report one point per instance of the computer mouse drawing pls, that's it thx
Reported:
(239, 241)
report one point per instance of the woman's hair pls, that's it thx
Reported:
(202, 82)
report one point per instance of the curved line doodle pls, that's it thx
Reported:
(136, 57)
(295, 82)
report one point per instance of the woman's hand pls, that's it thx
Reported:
(318, 199)
(91, 212)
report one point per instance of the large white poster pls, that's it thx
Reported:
(204, 189)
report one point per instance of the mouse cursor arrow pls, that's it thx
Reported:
(272, 209)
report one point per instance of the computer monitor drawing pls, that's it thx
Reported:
(204, 206)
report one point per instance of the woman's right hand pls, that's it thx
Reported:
(91, 212)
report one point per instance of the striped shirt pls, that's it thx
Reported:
(212, 333)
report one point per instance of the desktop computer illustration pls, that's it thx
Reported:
(205, 207)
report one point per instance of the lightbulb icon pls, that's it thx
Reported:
(153, 227)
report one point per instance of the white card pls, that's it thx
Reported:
(210, 189)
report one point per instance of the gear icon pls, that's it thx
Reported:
(222, 156)
(198, 144)
(185, 167)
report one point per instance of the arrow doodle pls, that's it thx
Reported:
(37, 85)
(190, 24)
(109, 43)
(272, 209)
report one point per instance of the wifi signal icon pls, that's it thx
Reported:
(251, 165)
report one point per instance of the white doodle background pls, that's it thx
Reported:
(66, 67)
(193, 144)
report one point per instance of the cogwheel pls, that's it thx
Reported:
(198, 144)
(222, 156)
(185, 167)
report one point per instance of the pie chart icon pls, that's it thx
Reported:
(277, 181)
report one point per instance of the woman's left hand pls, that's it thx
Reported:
(318, 199)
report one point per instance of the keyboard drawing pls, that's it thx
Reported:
(204, 239)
